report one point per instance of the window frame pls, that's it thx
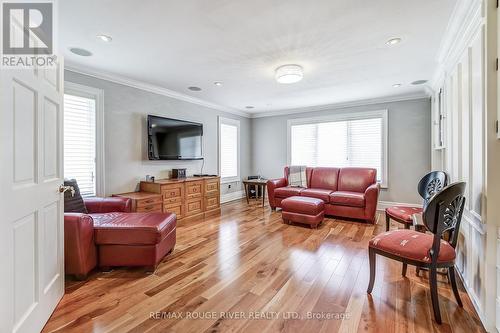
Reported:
(231, 122)
(383, 114)
(97, 94)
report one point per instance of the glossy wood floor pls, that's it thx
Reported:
(227, 271)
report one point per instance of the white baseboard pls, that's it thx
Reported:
(382, 205)
(231, 196)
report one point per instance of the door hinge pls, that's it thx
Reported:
(496, 65)
(496, 126)
(497, 3)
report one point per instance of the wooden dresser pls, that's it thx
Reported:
(188, 197)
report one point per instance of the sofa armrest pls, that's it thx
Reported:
(79, 249)
(273, 184)
(371, 201)
(108, 205)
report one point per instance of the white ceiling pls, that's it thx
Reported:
(341, 45)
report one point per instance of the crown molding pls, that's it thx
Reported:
(463, 25)
(115, 78)
(372, 101)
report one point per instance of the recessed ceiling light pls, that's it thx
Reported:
(396, 85)
(393, 41)
(194, 88)
(249, 107)
(416, 83)
(80, 52)
(105, 38)
(218, 83)
(289, 73)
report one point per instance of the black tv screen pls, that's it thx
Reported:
(173, 139)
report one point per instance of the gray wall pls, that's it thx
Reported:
(125, 110)
(409, 145)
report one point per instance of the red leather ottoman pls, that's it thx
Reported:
(305, 210)
(134, 239)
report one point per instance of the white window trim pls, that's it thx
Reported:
(76, 89)
(344, 117)
(234, 122)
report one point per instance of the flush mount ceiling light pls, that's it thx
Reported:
(289, 73)
(249, 107)
(194, 88)
(218, 83)
(416, 83)
(80, 52)
(105, 38)
(396, 85)
(393, 41)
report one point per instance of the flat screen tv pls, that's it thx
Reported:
(173, 139)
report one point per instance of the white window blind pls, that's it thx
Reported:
(343, 143)
(80, 142)
(229, 145)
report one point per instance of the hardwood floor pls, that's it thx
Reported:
(246, 271)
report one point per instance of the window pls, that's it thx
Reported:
(357, 140)
(83, 138)
(229, 149)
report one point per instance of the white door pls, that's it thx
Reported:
(31, 224)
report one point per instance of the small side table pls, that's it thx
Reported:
(258, 183)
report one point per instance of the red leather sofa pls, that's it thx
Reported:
(109, 235)
(346, 192)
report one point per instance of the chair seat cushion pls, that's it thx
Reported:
(403, 213)
(303, 205)
(288, 191)
(347, 198)
(412, 245)
(132, 228)
(317, 193)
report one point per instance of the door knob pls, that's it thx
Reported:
(63, 188)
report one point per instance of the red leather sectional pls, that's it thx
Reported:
(346, 192)
(109, 235)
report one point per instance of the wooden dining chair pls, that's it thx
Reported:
(431, 183)
(443, 213)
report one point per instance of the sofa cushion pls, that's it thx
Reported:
(356, 179)
(316, 193)
(412, 245)
(132, 228)
(303, 205)
(347, 198)
(288, 191)
(324, 178)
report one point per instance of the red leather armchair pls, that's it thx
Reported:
(346, 192)
(80, 252)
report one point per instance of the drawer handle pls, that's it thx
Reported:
(149, 207)
(149, 201)
(172, 193)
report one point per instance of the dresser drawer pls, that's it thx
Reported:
(212, 187)
(194, 189)
(173, 209)
(148, 202)
(149, 208)
(194, 206)
(174, 201)
(171, 191)
(212, 202)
